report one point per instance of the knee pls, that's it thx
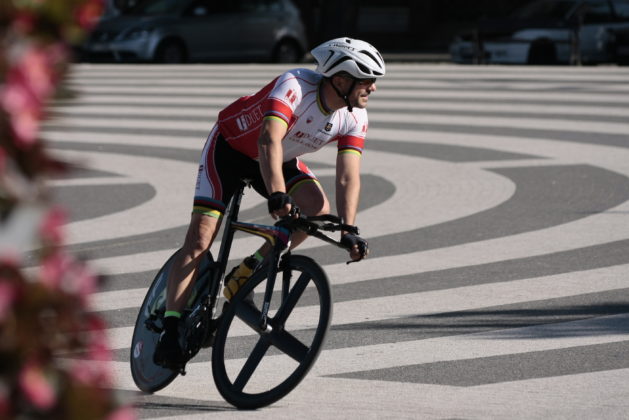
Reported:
(199, 236)
(322, 207)
(314, 205)
(195, 244)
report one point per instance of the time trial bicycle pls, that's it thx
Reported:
(268, 336)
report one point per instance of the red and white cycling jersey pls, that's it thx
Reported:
(293, 98)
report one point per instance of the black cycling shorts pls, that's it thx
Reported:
(221, 168)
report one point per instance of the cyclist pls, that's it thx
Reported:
(261, 137)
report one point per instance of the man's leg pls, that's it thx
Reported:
(312, 201)
(201, 233)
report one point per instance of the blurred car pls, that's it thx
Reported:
(546, 32)
(176, 31)
(619, 46)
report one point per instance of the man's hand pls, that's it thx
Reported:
(357, 246)
(279, 204)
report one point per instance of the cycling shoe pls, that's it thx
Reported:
(168, 353)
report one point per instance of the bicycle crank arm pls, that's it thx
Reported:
(264, 318)
(152, 326)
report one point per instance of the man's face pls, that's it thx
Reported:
(359, 96)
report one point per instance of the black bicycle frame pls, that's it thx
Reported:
(219, 265)
(278, 237)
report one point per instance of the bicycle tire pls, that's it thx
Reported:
(148, 376)
(234, 384)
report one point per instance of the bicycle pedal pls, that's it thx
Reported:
(152, 326)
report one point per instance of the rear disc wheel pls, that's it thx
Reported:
(148, 376)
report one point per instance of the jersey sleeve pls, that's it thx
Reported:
(354, 140)
(283, 99)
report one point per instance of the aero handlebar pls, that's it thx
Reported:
(313, 225)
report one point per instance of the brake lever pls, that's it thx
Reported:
(294, 212)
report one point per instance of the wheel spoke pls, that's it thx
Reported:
(249, 314)
(290, 345)
(293, 297)
(251, 364)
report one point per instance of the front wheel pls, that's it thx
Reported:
(254, 367)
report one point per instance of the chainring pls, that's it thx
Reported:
(196, 330)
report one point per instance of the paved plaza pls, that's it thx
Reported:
(495, 201)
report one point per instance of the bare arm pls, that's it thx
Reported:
(348, 193)
(271, 154)
(347, 186)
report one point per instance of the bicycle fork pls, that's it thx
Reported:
(276, 265)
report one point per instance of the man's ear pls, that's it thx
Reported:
(339, 82)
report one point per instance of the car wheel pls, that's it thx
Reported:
(287, 51)
(542, 52)
(171, 51)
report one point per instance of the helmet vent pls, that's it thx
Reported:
(338, 62)
(375, 60)
(328, 59)
(363, 68)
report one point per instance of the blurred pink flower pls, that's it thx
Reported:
(24, 110)
(36, 70)
(123, 413)
(3, 161)
(51, 228)
(95, 368)
(83, 282)
(63, 272)
(5, 403)
(26, 126)
(53, 269)
(88, 13)
(90, 372)
(34, 57)
(36, 387)
(30, 81)
(24, 22)
(8, 294)
(98, 345)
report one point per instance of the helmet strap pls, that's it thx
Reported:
(345, 96)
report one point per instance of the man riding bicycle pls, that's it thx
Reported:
(261, 137)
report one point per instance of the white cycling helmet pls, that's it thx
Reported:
(356, 57)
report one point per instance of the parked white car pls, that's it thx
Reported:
(547, 32)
